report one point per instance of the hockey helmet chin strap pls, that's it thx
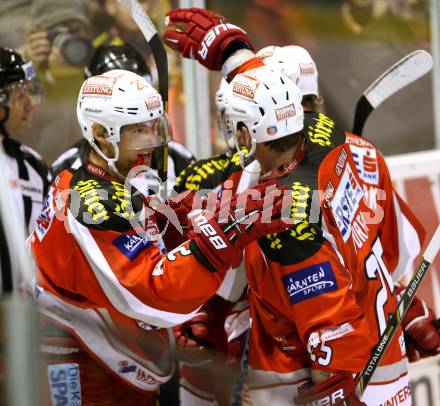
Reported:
(111, 162)
(243, 156)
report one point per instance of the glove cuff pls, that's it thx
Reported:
(235, 60)
(197, 252)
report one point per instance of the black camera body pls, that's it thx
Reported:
(76, 50)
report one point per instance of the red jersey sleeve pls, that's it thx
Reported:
(110, 265)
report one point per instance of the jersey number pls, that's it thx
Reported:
(376, 269)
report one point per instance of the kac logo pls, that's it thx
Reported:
(131, 245)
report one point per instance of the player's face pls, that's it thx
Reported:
(136, 145)
(20, 108)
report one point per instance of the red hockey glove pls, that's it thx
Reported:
(172, 217)
(193, 340)
(422, 336)
(333, 391)
(218, 238)
(207, 36)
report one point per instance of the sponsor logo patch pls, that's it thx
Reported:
(125, 369)
(321, 132)
(45, 218)
(141, 375)
(29, 70)
(346, 202)
(342, 158)
(310, 282)
(152, 103)
(131, 245)
(64, 384)
(365, 160)
(245, 86)
(99, 85)
(285, 112)
(329, 190)
(399, 397)
(306, 68)
(355, 140)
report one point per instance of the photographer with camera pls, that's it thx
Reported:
(59, 36)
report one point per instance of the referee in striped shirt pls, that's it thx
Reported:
(26, 173)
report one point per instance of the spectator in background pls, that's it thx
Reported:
(13, 17)
(26, 172)
(58, 44)
(58, 36)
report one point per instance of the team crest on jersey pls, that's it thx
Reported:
(310, 282)
(365, 160)
(346, 202)
(131, 245)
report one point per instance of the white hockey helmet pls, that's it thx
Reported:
(295, 62)
(117, 98)
(220, 103)
(267, 102)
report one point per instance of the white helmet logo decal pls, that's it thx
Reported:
(285, 112)
(245, 86)
(99, 85)
(153, 103)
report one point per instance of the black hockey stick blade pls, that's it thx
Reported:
(148, 29)
(402, 307)
(410, 68)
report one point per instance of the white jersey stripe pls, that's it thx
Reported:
(120, 297)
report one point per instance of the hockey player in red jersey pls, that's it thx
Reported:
(210, 345)
(107, 291)
(320, 293)
(422, 336)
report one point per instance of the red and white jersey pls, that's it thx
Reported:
(322, 291)
(90, 261)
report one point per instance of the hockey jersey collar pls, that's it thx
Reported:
(99, 172)
(290, 166)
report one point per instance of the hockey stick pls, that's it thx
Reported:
(401, 74)
(402, 307)
(149, 31)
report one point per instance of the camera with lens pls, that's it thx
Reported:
(75, 49)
